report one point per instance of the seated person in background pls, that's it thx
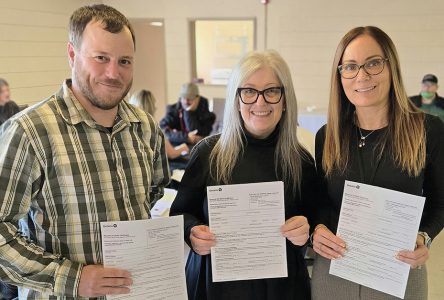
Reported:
(428, 100)
(7, 110)
(5, 95)
(145, 100)
(189, 120)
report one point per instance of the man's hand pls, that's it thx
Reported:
(96, 281)
(193, 137)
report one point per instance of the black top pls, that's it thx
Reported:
(178, 122)
(364, 167)
(255, 165)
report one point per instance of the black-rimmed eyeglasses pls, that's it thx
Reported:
(371, 67)
(271, 95)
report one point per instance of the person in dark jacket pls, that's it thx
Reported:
(7, 110)
(5, 94)
(428, 100)
(189, 120)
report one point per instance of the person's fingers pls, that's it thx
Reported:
(325, 251)
(329, 238)
(115, 281)
(115, 290)
(415, 258)
(327, 244)
(96, 280)
(202, 232)
(296, 230)
(299, 240)
(114, 272)
(202, 239)
(293, 223)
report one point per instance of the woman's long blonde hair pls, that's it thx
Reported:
(405, 122)
(230, 146)
(144, 100)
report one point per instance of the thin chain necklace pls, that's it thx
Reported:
(361, 142)
(363, 137)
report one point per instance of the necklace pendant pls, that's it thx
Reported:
(361, 143)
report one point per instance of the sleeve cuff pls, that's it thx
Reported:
(67, 278)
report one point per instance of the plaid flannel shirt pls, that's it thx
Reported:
(61, 174)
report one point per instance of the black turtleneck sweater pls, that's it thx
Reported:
(255, 165)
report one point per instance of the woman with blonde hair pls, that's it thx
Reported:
(145, 100)
(376, 136)
(258, 135)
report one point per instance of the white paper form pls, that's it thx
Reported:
(163, 205)
(246, 220)
(152, 250)
(377, 223)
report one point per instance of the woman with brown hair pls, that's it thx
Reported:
(376, 136)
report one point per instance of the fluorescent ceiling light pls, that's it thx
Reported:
(156, 23)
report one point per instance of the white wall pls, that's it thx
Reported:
(306, 33)
(33, 38)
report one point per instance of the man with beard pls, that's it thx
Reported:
(78, 158)
(189, 120)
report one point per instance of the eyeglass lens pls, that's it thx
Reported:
(372, 67)
(271, 95)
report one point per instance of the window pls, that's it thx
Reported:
(218, 46)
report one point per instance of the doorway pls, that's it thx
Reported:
(150, 66)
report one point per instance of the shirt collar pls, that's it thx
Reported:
(73, 112)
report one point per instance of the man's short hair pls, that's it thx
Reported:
(113, 21)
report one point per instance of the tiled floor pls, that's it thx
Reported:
(435, 267)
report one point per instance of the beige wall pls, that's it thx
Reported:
(306, 33)
(149, 67)
(176, 15)
(33, 37)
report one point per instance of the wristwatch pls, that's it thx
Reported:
(427, 239)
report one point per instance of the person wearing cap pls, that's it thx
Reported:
(428, 100)
(189, 120)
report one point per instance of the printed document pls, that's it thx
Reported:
(152, 250)
(377, 223)
(246, 220)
